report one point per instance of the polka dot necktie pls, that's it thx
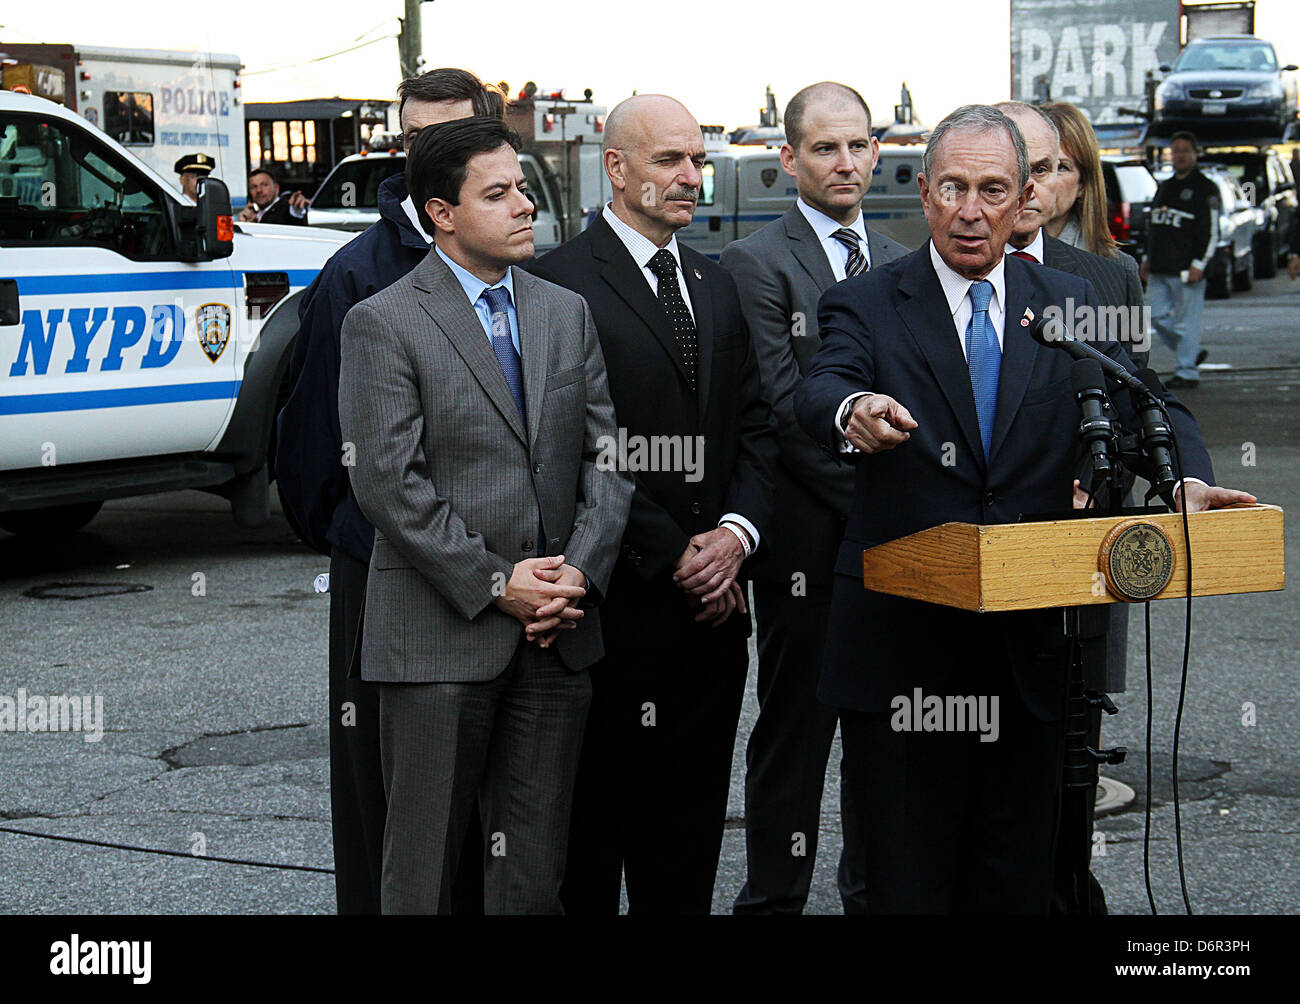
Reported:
(857, 262)
(664, 266)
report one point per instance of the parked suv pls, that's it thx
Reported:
(1266, 179)
(1232, 264)
(1129, 187)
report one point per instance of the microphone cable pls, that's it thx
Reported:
(1182, 682)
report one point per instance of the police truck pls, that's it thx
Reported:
(144, 339)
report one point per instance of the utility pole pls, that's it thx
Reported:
(410, 41)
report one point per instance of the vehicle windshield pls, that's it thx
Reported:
(1247, 169)
(356, 185)
(1227, 55)
(1133, 183)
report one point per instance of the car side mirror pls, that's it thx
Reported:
(1165, 68)
(1290, 67)
(215, 227)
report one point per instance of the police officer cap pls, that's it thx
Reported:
(195, 162)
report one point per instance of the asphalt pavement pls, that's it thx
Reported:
(208, 790)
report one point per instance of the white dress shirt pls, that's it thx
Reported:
(1035, 247)
(642, 249)
(956, 288)
(836, 253)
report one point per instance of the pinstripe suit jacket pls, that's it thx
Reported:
(1115, 279)
(454, 483)
(783, 271)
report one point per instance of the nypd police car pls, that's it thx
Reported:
(144, 340)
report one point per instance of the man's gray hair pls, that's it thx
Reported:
(981, 118)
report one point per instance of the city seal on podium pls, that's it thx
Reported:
(1137, 558)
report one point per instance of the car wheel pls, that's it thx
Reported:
(1218, 283)
(1244, 278)
(54, 521)
(1265, 255)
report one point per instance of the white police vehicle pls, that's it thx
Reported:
(745, 188)
(348, 198)
(144, 340)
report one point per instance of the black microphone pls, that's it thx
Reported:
(1051, 334)
(1157, 436)
(1096, 429)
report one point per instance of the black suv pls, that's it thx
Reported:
(1129, 187)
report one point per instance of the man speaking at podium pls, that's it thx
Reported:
(929, 382)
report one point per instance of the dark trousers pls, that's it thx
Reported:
(785, 760)
(953, 824)
(358, 806)
(510, 743)
(1065, 895)
(655, 772)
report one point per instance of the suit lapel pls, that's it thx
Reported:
(534, 343)
(451, 311)
(876, 249)
(1053, 257)
(925, 313)
(702, 306)
(629, 284)
(807, 249)
(1019, 350)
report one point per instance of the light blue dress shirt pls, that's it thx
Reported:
(474, 286)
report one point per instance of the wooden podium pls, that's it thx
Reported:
(1079, 562)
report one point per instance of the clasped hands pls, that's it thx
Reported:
(543, 594)
(707, 571)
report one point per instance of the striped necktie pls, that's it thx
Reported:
(857, 262)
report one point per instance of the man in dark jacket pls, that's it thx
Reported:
(266, 204)
(651, 794)
(1181, 238)
(311, 471)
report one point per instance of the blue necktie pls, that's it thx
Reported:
(985, 359)
(498, 299)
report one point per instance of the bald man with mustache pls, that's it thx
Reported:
(655, 771)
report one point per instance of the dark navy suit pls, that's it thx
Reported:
(952, 824)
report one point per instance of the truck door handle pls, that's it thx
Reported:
(9, 313)
(715, 224)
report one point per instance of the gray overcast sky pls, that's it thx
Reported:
(717, 61)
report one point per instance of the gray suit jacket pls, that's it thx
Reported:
(782, 271)
(1115, 279)
(454, 483)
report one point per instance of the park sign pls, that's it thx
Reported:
(1091, 53)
